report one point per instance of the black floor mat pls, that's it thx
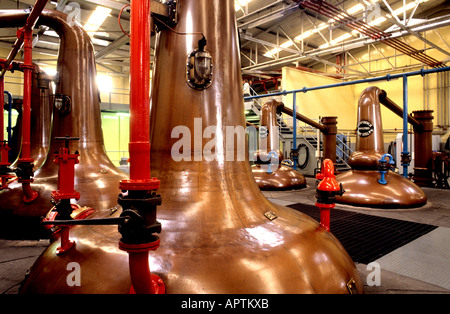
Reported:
(366, 237)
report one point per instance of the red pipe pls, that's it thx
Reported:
(2, 106)
(375, 33)
(139, 146)
(29, 25)
(28, 194)
(27, 76)
(28, 68)
(143, 282)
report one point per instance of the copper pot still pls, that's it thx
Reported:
(41, 118)
(268, 171)
(75, 112)
(361, 183)
(216, 235)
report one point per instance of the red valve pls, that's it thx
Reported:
(66, 181)
(326, 191)
(66, 174)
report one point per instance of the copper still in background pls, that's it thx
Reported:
(76, 112)
(361, 183)
(268, 171)
(220, 234)
(41, 118)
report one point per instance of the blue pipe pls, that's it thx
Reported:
(373, 79)
(405, 124)
(387, 77)
(294, 131)
(270, 155)
(385, 170)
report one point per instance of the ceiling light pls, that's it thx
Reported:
(104, 83)
(337, 40)
(238, 4)
(96, 19)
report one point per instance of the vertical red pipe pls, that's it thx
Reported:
(142, 279)
(139, 145)
(2, 105)
(28, 76)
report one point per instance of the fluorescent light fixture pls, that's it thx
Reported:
(336, 40)
(96, 19)
(48, 43)
(355, 9)
(238, 4)
(51, 33)
(104, 83)
(50, 71)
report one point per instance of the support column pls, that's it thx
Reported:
(423, 170)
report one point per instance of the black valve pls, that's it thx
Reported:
(329, 197)
(141, 224)
(24, 170)
(406, 159)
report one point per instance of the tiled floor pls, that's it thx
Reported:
(421, 266)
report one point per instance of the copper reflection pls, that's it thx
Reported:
(215, 238)
(96, 178)
(275, 176)
(361, 182)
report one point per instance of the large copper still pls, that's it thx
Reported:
(216, 235)
(76, 112)
(268, 171)
(362, 183)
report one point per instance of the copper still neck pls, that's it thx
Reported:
(363, 184)
(76, 113)
(369, 137)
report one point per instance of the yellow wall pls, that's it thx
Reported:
(339, 102)
(420, 95)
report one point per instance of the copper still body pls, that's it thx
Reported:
(361, 183)
(216, 235)
(269, 172)
(76, 113)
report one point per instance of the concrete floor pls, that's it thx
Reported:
(422, 266)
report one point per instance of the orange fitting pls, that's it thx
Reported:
(326, 191)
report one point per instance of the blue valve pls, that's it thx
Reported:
(384, 166)
(271, 154)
